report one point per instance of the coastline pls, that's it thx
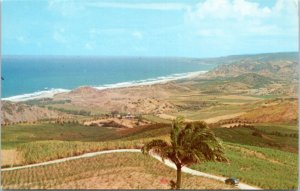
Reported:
(151, 81)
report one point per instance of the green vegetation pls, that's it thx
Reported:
(73, 112)
(13, 135)
(115, 170)
(149, 131)
(252, 79)
(74, 109)
(264, 167)
(41, 151)
(65, 106)
(46, 101)
(156, 119)
(191, 144)
(210, 112)
(267, 96)
(268, 139)
(282, 128)
(264, 155)
(248, 155)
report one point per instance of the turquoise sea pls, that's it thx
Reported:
(31, 76)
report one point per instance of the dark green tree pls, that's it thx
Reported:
(190, 143)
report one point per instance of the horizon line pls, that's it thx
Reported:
(141, 56)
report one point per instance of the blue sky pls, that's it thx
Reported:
(190, 28)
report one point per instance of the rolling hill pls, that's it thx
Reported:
(276, 65)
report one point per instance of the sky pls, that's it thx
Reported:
(164, 28)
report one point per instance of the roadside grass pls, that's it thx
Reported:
(13, 135)
(263, 167)
(108, 171)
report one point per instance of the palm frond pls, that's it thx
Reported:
(192, 143)
(176, 128)
(154, 144)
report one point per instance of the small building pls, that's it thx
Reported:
(129, 116)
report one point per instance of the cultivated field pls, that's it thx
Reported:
(263, 167)
(277, 152)
(109, 171)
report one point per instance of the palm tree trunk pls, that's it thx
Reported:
(178, 182)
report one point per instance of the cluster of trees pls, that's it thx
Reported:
(6, 122)
(196, 106)
(259, 133)
(61, 122)
(228, 121)
(73, 112)
(280, 134)
(56, 121)
(46, 101)
(242, 125)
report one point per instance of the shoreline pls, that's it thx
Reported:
(151, 81)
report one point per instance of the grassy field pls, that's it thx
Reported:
(63, 105)
(213, 111)
(267, 139)
(41, 151)
(156, 119)
(263, 167)
(268, 161)
(151, 131)
(71, 107)
(282, 128)
(14, 135)
(109, 171)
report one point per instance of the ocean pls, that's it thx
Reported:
(31, 77)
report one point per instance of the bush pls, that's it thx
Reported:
(257, 134)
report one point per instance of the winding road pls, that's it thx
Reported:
(166, 162)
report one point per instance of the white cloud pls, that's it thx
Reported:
(228, 9)
(66, 7)
(219, 18)
(89, 46)
(98, 32)
(146, 6)
(137, 34)
(71, 7)
(22, 39)
(106, 31)
(59, 36)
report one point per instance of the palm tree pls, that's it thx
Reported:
(190, 144)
